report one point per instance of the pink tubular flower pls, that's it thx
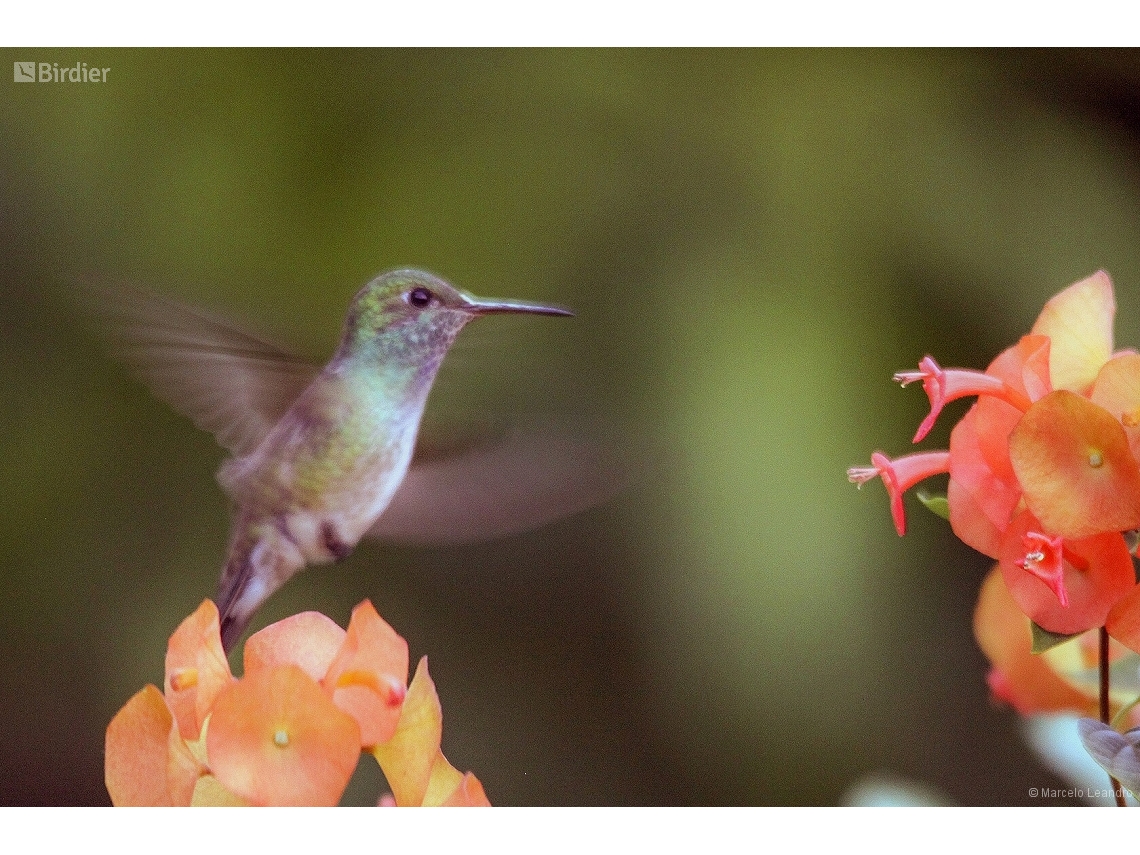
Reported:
(899, 475)
(943, 385)
(1064, 585)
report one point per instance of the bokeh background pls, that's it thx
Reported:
(754, 242)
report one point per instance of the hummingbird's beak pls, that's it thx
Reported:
(477, 306)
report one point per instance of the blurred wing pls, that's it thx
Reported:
(229, 382)
(510, 484)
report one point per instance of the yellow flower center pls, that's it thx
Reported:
(1096, 459)
(281, 738)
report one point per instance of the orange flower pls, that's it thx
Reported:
(983, 490)
(981, 497)
(1123, 622)
(276, 738)
(364, 670)
(369, 674)
(290, 732)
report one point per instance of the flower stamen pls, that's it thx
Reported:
(1044, 558)
(186, 678)
(385, 685)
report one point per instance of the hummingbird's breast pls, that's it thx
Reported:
(328, 469)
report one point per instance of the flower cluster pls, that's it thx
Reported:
(290, 732)
(1043, 477)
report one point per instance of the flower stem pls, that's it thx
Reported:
(1105, 717)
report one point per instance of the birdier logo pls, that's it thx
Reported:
(52, 72)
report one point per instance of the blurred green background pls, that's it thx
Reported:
(754, 241)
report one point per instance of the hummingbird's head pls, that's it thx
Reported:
(410, 317)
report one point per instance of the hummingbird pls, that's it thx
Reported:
(323, 458)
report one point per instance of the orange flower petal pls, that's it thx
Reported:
(208, 792)
(1123, 622)
(1117, 389)
(308, 640)
(981, 502)
(183, 770)
(196, 669)
(1091, 591)
(445, 779)
(136, 751)
(983, 489)
(1024, 368)
(449, 787)
(1078, 321)
(469, 793)
(1075, 468)
(369, 675)
(276, 738)
(407, 757)
(1002, 631)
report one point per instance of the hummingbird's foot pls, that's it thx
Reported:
(333, 541)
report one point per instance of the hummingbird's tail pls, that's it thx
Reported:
(256, 566)
(236, 576)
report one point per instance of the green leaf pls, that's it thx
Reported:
(1043, 639)
(936, 502)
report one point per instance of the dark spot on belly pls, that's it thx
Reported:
(333, 543)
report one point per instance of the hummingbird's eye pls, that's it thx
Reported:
(419, 297)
